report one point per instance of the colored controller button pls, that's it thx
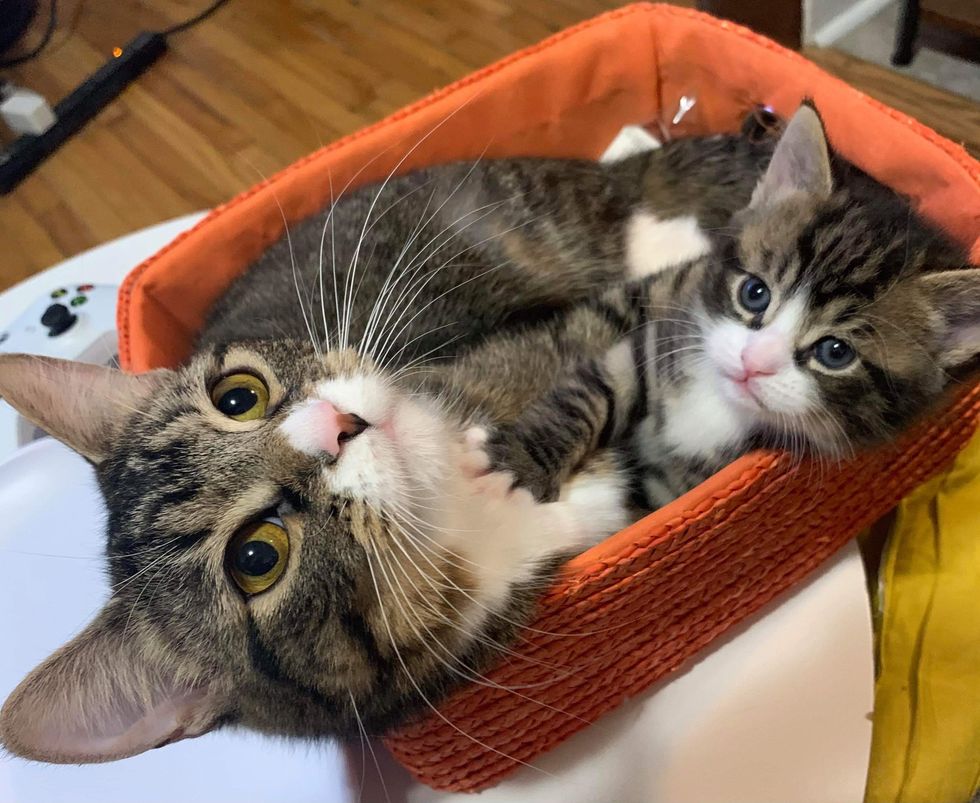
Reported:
(85, 288)
(59, 293)
(77, 301)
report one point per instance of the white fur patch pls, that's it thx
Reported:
(597, 506)
(700, 420)
(653, 244)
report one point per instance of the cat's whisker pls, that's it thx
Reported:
(366, 740)
(499, 615)
(418, 689)
(352, 267)
(416, 360)
(146, 584)
(167, 553)
(424, 222)
(292, 260)
(395, 275)
(393, 338)
(417, 283)
(467, 672)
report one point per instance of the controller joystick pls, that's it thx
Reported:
(58, 318)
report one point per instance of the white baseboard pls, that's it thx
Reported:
(847, 21)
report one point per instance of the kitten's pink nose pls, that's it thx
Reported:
(765, 354)
(336, 428)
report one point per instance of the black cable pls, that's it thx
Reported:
(183, 26)
(48, 32)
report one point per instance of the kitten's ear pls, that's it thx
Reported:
(800, 162)
(84, 406)
(955, 295)
(99, 698)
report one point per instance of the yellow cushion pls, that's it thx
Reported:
(926, 742)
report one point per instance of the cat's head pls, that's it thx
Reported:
(833, 316)
(290, 546)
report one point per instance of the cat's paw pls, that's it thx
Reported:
(486, 475)
(506, 451)
(475, 462)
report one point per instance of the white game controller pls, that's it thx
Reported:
(73, 322)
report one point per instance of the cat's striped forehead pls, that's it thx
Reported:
(847, 247)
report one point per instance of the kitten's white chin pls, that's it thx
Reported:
(741, 392)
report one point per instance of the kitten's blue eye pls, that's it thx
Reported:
(754, 295)
(833, 353)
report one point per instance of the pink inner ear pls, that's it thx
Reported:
(103, 730)
(126, 732)
(98, 698)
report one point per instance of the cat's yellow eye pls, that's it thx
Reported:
(257, 555)
(243, 397)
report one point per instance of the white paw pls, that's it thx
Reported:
(474, 461)
(492, 485)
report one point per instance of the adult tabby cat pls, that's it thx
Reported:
(298, 540)
(828, 321)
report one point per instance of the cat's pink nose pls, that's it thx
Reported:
(337, 428)
(765, 354)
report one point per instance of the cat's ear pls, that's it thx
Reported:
(955, 295)
(101, 698)
(800, 162)
(84, 406)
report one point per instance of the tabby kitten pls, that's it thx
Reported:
(828, 321)
(300, 538)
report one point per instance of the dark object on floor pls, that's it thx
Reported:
(777, 19)
(126, 64)
(908, 29)
(952, 26)
(15, 17)
(124, 67)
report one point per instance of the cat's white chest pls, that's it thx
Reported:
(699, 422)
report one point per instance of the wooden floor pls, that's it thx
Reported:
(264, 82)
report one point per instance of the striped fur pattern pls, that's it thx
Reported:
(407, 313)
(829, 319)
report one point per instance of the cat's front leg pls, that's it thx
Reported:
(589, 410)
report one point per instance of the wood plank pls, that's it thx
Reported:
(962, 15)
(953, 116)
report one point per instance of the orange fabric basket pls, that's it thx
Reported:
(650, 597)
